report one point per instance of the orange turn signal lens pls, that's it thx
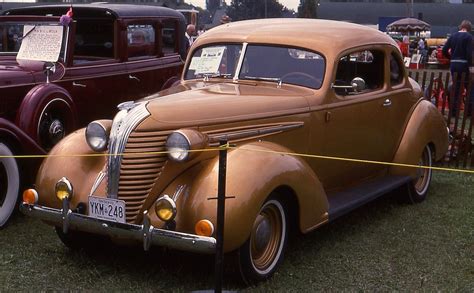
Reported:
(204, 228)
(30, 196)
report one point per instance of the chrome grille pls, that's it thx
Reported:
(140, 169)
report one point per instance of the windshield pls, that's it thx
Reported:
(12, 34)
(261, 62)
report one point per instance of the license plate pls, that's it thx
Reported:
(107, 209)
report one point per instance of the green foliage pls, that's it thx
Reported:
(308, 9)
(251, 9)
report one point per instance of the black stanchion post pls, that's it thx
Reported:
(221, 197)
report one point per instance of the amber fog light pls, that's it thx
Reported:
(30, 196)
(63, 189)
(165, 208)
(204, 228)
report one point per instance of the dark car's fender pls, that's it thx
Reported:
(37, 100)
(425, 127)
(250, 184)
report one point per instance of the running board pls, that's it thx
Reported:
(343, 202)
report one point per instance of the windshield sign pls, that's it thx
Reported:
(261, 62)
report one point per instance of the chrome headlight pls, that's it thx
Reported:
(180, 144)
(63, 189)
(165, 208)
(97, 135)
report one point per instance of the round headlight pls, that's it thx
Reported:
(178, 146)
(63, 189)
(165, 208)
(97, 136)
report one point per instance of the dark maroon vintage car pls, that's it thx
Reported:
(108, 54)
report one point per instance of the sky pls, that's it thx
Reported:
(290, 4)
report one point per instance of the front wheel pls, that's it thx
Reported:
(261, 254)
(9, 183)
(419, 186)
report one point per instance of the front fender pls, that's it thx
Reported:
(71, 158)
(254, 171)
(36, 100)
(426, 126)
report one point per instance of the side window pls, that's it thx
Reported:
(140, 40)
(396, 70)
(94, 40)
(168, 35)
(367, 65)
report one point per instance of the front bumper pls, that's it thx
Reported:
(145, 233)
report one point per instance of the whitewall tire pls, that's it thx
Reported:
(9, 183)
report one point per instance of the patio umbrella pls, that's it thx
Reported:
(408, 25)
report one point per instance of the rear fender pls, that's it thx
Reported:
(426, 126)
(34, 103)
(254, 171)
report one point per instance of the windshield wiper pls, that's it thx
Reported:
(28, 32)
(275, 79)
(215, 75)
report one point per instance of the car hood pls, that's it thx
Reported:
(203, 104)
(11, 73)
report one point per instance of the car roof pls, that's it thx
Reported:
(81, 10)
(325, 36)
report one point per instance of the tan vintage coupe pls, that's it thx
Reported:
(272, 88)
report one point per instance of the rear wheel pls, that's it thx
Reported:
(419, 186)
(9, 183)
(261, 254)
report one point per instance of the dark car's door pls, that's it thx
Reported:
(96, 78)
(152, 53)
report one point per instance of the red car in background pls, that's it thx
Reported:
(109, 54)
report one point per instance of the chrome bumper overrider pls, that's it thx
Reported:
(145, 233)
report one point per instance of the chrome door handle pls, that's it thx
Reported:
(78, 84)
(133, 77)
(387, 103)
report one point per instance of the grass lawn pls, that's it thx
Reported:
(384, 246)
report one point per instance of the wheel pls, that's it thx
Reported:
(54, 123)
(298, 77)
(418, 188)
(261, 254)
(9, 184)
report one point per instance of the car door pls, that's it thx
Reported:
(152, 54)
(96, 78)
(356, 121)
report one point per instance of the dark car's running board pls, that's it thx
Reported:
(343, 202)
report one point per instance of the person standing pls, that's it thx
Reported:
(190, 33)
(458, 49)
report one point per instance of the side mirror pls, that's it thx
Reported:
(358, 84)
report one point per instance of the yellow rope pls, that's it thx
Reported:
(228, 146)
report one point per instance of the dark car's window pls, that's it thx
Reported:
(216, 60)
(366, 64)
(94, 40)
(288, 65)
(140, 40)
(11, 36)
(168, 35)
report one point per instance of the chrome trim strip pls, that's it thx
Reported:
(97, 182)
(240, 134)
(146, 233)
(129, 116)
(239, 64)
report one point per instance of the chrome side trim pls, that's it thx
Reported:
(129, 116)
(246, 133)
(146, 233)
(97, 182)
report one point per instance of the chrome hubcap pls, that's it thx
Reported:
(262, 234)
(56, 131)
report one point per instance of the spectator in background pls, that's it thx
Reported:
(422, 50)
(190, 33)
(201, 30)
(458, 48)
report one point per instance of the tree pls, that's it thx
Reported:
(308, 9)
(251, 9)
(212, 5)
